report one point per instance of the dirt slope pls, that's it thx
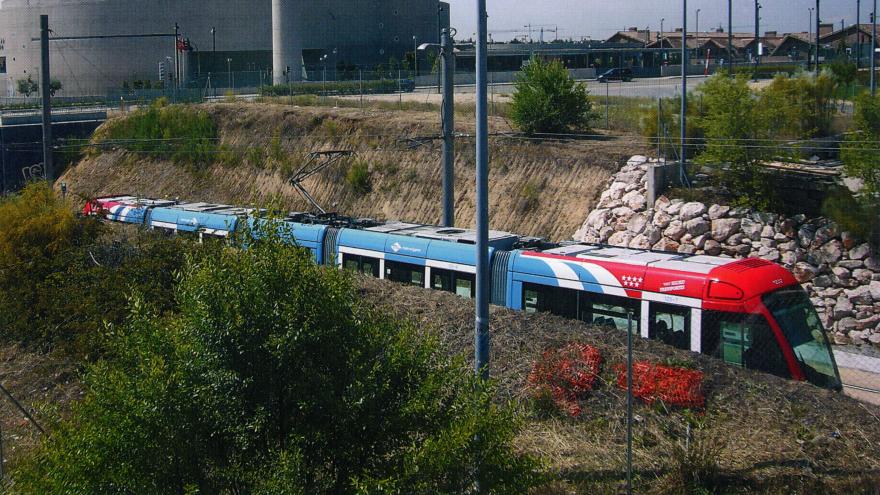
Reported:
(537, 187)
(767, 435)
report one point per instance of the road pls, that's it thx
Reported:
(648, 87)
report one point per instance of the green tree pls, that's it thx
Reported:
(667, 127)
(735, 127)
(274, 378)
(798, 107)
(859, 153)
(548, 100)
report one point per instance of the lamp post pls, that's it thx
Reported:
(683, 131)
(810, 39)
(214, 40)
(324, 76)
(415, 56)
(858, 34)
(229, 70)
(757, 34)
(697, 34)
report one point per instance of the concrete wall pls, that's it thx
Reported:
(363, 32)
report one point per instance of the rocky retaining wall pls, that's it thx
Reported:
(840, 272)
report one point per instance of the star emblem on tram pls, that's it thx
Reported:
(629, 281)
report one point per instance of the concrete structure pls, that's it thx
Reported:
(236, 35)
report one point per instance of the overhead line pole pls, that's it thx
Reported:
(874, 50)
(447, 53)
(481, 328)
(730, 37)
(45, 84)
(818, 23)
(682, 172)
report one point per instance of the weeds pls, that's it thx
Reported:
(529, 196)
(359, 178)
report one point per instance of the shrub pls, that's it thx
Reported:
(565, 375)
(859, 151)
(667, 127)
(180, 133)
(27, 87)
(548, 100)
(856, 214)
(529, 196)
(274, 375)
(359, 178)
(736, 138)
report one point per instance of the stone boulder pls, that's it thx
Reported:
(712, 247)
(675, 231)
(697, 226)
(723, 228)
(692, 210)
(635, 200)
(718, 211)
(804, 272)
(860, 252)
(751, 229)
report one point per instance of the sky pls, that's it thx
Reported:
(602, 18)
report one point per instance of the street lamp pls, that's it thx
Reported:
(214, 40)
(415, 56)
(324, 76)
(660, 36)
(335, 64)
(810, 39)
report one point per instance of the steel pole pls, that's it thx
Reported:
(481, 336)
(858, 34)
(682, 173)
(818, 23)
(448, 71)
(730, 37)
(45, 85)
(757, 34)
(629, 400)
(874, 49)
(176, 56)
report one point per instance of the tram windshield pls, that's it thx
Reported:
(800, 323)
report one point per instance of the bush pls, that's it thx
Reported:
(180, 133)
(856, 214)
(668, 126)
(548, 100)
(274, 375)
(359, 178)
(859, 151)
(61, 281)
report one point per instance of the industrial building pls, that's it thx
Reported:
(135, 40)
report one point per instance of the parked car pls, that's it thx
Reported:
(617, 74)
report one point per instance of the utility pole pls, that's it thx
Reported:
(176, 54)
(757, 33)
(858, 34)
(481, 335)
(684, 91)
(730, 37)
(45, 85)
(818, 23)
(810, 40)
(447, 54)
(874, 49)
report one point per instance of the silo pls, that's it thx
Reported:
(287, 44)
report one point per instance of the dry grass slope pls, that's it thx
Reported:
(260, 144)
(760, 433)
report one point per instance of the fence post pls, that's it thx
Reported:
(606, 105)
(361, 86)
(659, 125)
(629, 401)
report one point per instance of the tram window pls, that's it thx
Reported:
(405, 273)
(361, 264)
(464, 284)
(604, 310)
(441, 279)
(555, 300)
(671, 325)
(530, 300)
(743, 340)
(458, 283)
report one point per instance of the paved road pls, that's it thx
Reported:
(649, 87)
(860, 375)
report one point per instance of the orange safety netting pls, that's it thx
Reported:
(567, 374)
(652, 382)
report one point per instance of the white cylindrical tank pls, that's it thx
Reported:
(287, 45)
